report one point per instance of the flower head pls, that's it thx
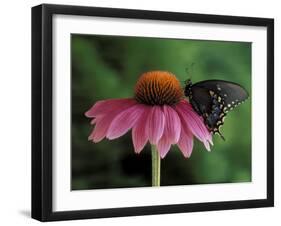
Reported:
(157, 114)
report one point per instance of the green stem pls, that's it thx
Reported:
(156, 167)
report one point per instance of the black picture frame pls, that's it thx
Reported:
(42, 107)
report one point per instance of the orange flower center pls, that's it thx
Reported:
(158, 88)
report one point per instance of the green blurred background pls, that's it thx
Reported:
(105, 67)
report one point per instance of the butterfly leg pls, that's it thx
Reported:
(222, 137)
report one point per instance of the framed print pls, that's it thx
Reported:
(146, 112)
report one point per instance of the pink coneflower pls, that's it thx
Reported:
(158, 114)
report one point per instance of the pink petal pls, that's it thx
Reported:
(139, 134)
(155, 124)
(124, 121)
(207, 146)
(171, 131)
(163, 146)
(101, 128)
(104, 106)
(185, 143)
(104, 120)
(104, 112)
(172, 124)
(94, 120)
(193, 122)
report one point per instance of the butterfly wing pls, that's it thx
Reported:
(210, 106)
(232, 93)
(201, 100)
(214, 98)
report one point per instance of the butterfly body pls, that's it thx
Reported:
(212, 99)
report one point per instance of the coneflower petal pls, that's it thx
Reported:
(207, 145)
(105, 106)
(139, 134)
(172, 128)
(155, 124)
(93, 121)
(124, 121)
(163, 146)
(193, 122)
(185, 143)
(100, 129)
(104, 112)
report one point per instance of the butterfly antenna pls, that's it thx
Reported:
(189, 75)
(189, 71)
(192, 68)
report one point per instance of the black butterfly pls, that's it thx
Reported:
(212, 99)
